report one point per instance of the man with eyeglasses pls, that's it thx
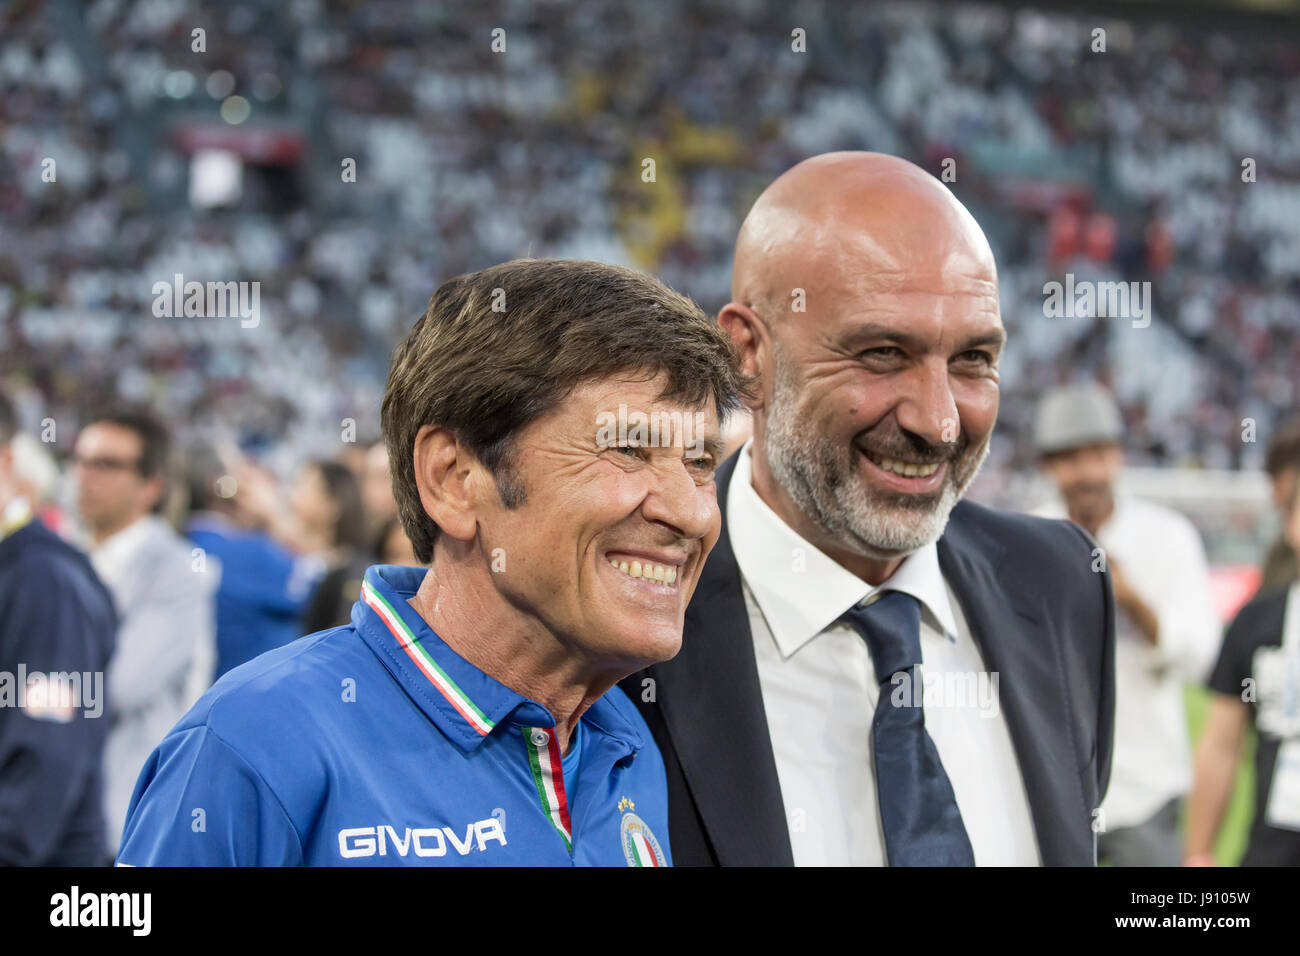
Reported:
(164, 592)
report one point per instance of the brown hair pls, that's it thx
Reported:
(1284, 449)
(500, 348)
(344, 490)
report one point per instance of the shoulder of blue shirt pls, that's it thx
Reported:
(248, 706)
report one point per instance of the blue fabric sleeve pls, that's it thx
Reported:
(199, 803)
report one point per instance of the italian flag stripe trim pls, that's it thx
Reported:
(645, 854)
(544, 759)
(408, 642)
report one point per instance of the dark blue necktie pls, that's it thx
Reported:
(917, 808)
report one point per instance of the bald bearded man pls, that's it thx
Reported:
(874, 672)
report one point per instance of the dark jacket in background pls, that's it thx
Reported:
(55, 617)
(1251, 653)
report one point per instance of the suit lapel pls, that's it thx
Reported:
(1008, 628)
(713, 706)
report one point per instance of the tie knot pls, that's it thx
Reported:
(891, 626)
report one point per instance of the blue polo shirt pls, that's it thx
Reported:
(376, 744)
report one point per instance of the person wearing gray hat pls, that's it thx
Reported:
(1077, 415)
(1166, 631)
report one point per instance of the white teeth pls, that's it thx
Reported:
(647, 571)
(906, 470)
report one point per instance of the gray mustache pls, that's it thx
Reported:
(911, 452)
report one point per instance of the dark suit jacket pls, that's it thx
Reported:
(1042, 618)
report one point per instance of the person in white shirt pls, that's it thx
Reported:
(1166, 632)
(164, 593)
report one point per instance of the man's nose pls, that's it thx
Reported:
(1097, 473)
(677, 500)
(926, 407)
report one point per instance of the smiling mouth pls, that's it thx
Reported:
(665, 575)
(901, 468)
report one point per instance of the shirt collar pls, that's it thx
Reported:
(801, 590)
(463, 701)
(112, 556)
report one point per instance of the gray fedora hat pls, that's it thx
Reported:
(1074, 416)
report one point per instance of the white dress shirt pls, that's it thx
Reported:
(1162, 559)
(819, 692)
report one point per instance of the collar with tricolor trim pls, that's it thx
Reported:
(467, 704)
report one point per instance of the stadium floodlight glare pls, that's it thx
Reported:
(216, 178)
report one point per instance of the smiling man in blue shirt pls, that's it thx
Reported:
(554, 462)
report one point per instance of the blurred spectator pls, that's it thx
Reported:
(1166, 631)
(1283, 467)
(37, 478)
(1256, 680)
(55, 618)
(377, 487)
(392, 546)
(354, 457)
(326, 500)
(264, 585)
(166, 645)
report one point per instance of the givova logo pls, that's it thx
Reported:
(382, 839)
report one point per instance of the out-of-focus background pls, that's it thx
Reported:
(350, 156)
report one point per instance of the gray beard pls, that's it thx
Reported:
(824, 480)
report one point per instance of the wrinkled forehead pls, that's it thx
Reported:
(632, 408)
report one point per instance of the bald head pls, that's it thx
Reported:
(865, 304)
(850, 222)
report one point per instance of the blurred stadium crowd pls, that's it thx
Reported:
(231, 163)
(1123, 164)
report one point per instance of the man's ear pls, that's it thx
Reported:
(752, 342)
(155, 490)
(444, 476)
